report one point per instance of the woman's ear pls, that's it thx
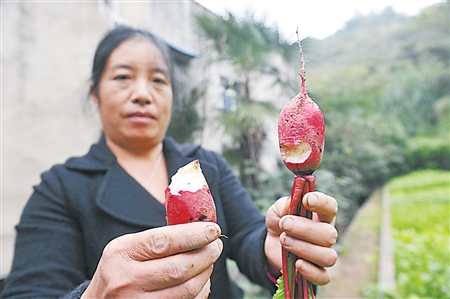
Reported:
(95, 100)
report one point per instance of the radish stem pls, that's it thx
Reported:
(301, 186)
(302, 71)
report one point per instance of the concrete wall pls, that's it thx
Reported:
(46, 53)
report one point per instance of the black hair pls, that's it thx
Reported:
(113, 39)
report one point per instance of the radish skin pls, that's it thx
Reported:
(301, 135)
(188, 198)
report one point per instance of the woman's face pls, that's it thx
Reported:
(135, 95)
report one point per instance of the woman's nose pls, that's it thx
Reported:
(142, 94)
(141, 101)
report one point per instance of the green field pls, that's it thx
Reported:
(420, 208)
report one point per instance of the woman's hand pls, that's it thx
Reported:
(310, 240)
(167, 262)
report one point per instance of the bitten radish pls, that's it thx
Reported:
(301, 130)
(188, 198)
(301, 136)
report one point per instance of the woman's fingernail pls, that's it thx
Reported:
(300, 264)
(311, 199)
(212, 232)
(288, 241)
(287, 223)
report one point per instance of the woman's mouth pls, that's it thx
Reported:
(140, 117)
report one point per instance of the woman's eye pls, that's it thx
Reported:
(159, 80)
(121, 77)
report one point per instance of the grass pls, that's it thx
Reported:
(420, 208)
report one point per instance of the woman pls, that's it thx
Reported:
(95, 226)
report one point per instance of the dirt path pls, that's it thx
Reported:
(357, 264)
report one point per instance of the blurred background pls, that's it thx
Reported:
(378, 69)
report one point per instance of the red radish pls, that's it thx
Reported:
(301, 136)
(301, 131)
(188, 198)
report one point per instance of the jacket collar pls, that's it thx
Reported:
(99, 158)
(122, 197)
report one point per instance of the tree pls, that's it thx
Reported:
(188, 121)
(248, 45)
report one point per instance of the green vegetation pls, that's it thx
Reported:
(383, 85)
(420, 224)
(188, 121)
(428, 152)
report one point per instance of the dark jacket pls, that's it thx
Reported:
(82, 205)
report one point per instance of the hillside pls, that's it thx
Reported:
(381, 82)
